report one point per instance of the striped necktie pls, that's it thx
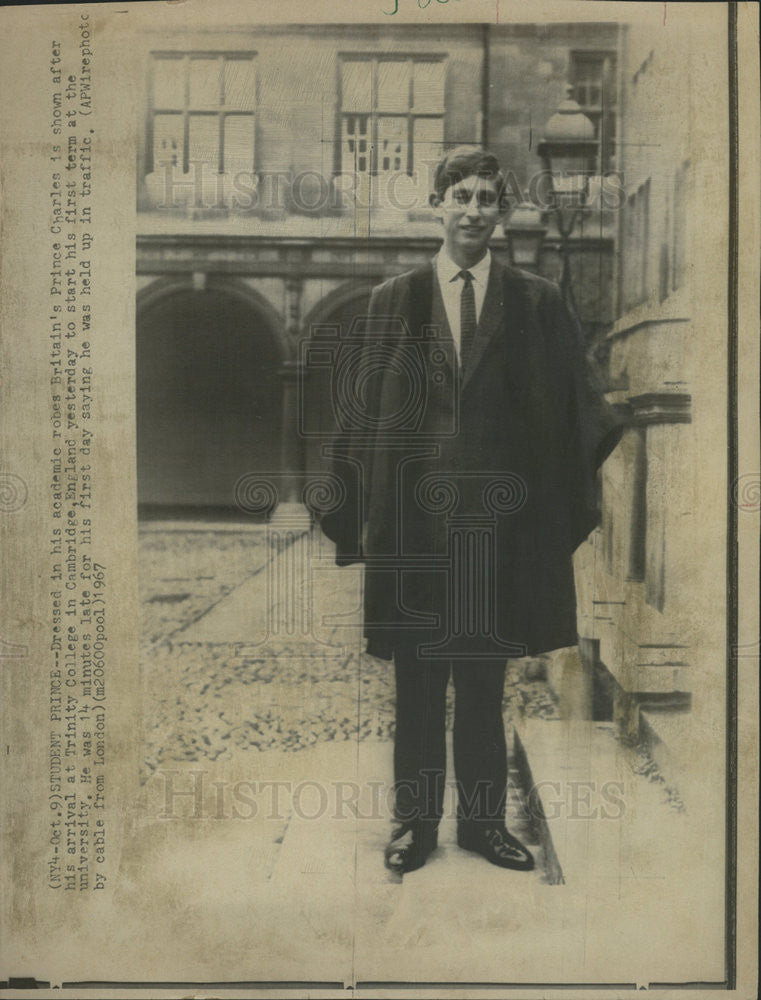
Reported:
(467, 317)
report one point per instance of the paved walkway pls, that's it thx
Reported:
(265, 809)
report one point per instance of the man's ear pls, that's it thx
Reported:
(435, 202)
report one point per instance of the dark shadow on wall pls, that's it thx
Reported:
(208, 400)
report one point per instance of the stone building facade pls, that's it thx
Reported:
(652, 578)
(284, 172)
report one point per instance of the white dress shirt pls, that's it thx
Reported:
(452, 286)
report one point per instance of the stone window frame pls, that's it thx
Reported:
(220, 111)
(602, 111)
(374, 114)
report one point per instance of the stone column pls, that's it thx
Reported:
(291, 513)
(293, 288)
(290, 510)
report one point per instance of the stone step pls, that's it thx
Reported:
(596, 812)
(338, 826)
(309, 892)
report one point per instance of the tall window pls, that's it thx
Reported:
(679, 268)
(593, 77)
(392, 114)
(202, 108)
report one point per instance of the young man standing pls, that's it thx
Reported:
(469, 485)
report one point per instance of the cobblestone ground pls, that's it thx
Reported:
(205, 700)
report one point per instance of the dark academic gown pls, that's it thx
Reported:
(467, 492)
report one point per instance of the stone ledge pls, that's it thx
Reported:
(595, 813)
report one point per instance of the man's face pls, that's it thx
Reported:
(469, 211)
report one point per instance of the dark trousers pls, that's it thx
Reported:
(480, 749)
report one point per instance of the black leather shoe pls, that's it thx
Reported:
(496, 845)
(409, 847)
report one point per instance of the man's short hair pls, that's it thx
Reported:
(468, 161)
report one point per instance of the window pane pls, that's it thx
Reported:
(167, 141)
(393, 85)
(392, 145)
(594, 77)
(204, 82)
(239, 144)
(427, 149)
(586, 66)
(428, 87)
(203, 140)
(430, 130)
(168, 83)
(356, 85)
(240, 84)
(355, 150)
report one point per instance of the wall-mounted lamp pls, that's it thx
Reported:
(525, 232)
(569, 153)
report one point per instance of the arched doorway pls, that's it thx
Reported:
(208, 398)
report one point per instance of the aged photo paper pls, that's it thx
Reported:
(203, 734)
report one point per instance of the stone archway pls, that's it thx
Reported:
(208, 395)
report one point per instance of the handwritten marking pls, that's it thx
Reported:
(422, 4)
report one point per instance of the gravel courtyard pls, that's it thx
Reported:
(204, 700)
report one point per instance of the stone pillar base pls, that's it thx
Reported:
(289, 521)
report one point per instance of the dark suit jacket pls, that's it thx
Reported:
(471, 489)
